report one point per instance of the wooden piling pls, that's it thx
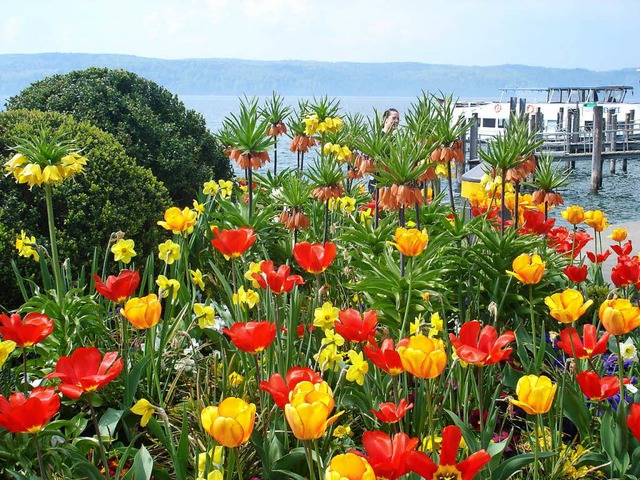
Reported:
(613, 145)
(628, 131)
(567, 137)
(473, 140)
(596, 159)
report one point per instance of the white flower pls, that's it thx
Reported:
(276, 193)
(185, 364)
(628, 350)
(632, 389)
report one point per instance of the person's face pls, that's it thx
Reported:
(391, 121)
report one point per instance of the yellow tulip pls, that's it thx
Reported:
(411, 242)
(618, 234)
(535, 394)
(6, 347)
(528, 268)
(422, 356)
(568, 306)
(308, 410)
(573, 214)
(231, 422)
(144, 408)
(143, 312)
(349, 466)
(596, 220)
(619, 316)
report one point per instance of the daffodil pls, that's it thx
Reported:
(169, 252)
(358, 369)
(437, 325)
(246, 297)
(325, 316)
(197, 278)
(145, 408)
(198, 207)
(214, 455)
(205, 314)
(26, 246)
(342, 431)
(332, 338)
(210, 188)
(226, 188)
(166, 285)
(329, 357)
(348, 204)
(123, 250)
(253, 268)
(235, 379)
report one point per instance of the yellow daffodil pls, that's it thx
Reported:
(248, 297)
(198, 207)
(123, 250)
(210, 188)
(342, 431)
(235, 379)
(144, 408)
(197, 278)
(214, 455)
(332, 338)
(166, 285)
(325, 316)
(358, 369)
(414, 327)
(226, 188)
(328, 358)
(26, 246)
(253, 268)
(169, 252)
(437, 325)
(348, 204)
(205, 314)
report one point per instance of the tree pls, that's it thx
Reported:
(112, 194)
(152, 124)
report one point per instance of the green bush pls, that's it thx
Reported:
(113, 193)
(152, 124)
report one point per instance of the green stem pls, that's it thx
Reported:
(533, 324)
(24, 364)
(48, 195)
(43, 474)
(536, 449)
(238, 462)
(103, 453)
(620, 372)
(480, 401)
(309, 455)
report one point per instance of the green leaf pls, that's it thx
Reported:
(133, 380)
(513, 464)
(142, 466)
(575, 410)
(109, 422)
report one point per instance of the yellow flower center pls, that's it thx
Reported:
(447, 472)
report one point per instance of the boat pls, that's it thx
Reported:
(555, 109)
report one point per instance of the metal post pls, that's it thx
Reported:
(614, 143)
(596, 159)
(628, 130)
(473, 140)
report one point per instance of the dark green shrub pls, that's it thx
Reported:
(112, 194)
(152, 124)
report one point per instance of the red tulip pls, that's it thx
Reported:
(233, 243)
(279, 281)
(356, 328)
(633, 420)
(535, 223)
(626, 272)
(314, 258)
(86, 371)
(481, 347)
(599, 258)
(386, 357)
(597, 388)
(390, 413)
(389, 458)
(29, 415)
(565, 242)
(118, 289)
(34, 328)
(571, 343)
(623, 250)
(279, 389)
(448, 468)
(576, 274)
(251, 337)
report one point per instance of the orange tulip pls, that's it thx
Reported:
(568, 306)
(411, 242)
(535, 394)
(231, 422)
(233, 243)
(308, 410)
(619, 316)
(618, 234)
(349, 466)
(422, 356)
(528, 268)
(596, 220)
(143, 312)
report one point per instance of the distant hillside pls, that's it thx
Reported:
(236, 77)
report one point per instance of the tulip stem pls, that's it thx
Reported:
(480, 401)
(39, 452)
(620, 372)
(100, 444)
(309, 455)
(234, 452)
(536, 449)
(533, 324)
(24, 364)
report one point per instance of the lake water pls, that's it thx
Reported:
(619, 197)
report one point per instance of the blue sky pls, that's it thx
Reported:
(593, 34)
